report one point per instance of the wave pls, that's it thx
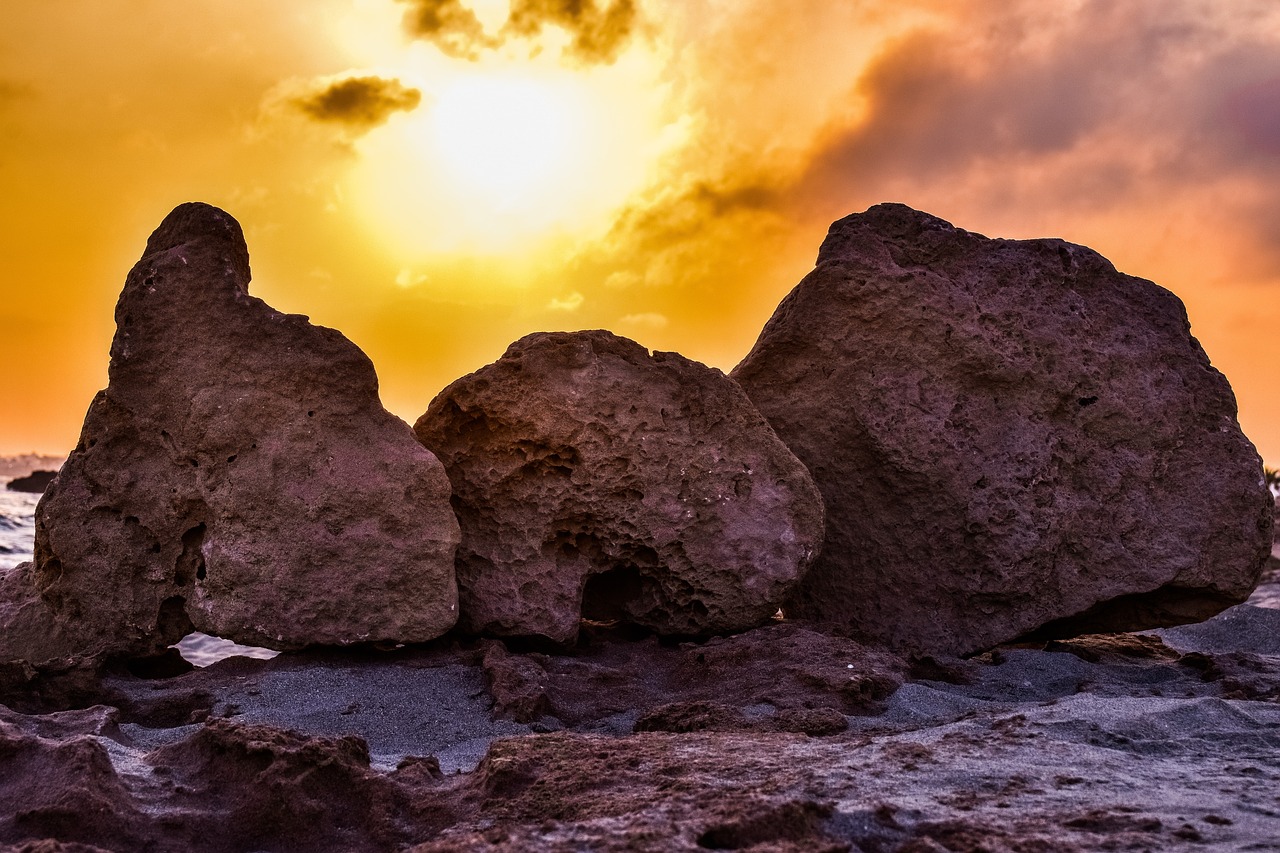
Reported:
(17, 527)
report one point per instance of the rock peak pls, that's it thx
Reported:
(196, 221)
(885, 220)
(238, 476)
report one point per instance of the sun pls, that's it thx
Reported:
(505, 156)
(508, 141)
(515, 154)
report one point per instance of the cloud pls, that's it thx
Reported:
(450, 26)
(649, 320)
(1013, 116)
(622, 279)
(1149, 131)
(406, 278)
(359, 103)
(598, 33)
(1252, 111)
(1063, 117)
(569, 304)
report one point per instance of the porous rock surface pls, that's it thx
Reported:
(1010, 437)
(593, 479)
(238, 476)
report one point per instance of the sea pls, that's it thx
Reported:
(17, 539)
(17, 527)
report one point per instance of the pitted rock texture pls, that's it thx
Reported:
(1010, 437)
(239, 475)
(595, 480)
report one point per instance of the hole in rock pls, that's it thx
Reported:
(606, 595)
(190, 563)
(1087, 401)
(172, 620)
(168, 664)
(1164, 607)
(543, 459)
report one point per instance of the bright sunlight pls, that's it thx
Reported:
(501, 159)
(508, 142)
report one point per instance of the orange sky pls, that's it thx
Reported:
(436, 178)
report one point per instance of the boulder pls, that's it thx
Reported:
(238, 476)
(594, 480)
(1010, 437)
(34, 483)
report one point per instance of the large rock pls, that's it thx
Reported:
(1010, 437)
(595, 480)
(34, 483)
(239, 476)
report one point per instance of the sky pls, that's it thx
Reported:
(437, 178)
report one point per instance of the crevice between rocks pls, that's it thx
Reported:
(1161, 608)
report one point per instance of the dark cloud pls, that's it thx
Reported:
(1107, 106)
(450, 26)
(679, 216)
(599, 32)
(359, 102)
(1252, 112)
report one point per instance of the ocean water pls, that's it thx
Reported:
(17, 526)
(202, 649)
(17, 538)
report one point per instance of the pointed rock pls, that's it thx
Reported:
(1010, 437)
(595, 480)
(239, 476)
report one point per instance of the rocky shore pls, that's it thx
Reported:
(779, 739)
(968, 554)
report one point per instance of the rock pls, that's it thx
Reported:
(34, 483)
(259, 787)
(239, 476)
(787, 667)
(1010, 437)
(651, 791)
(62, 787)
(696, 716)
(1098, 743)
(594, 480)
(41, 666)
(516, 683)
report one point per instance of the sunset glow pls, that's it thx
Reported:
(437, 178)
(498, 162)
